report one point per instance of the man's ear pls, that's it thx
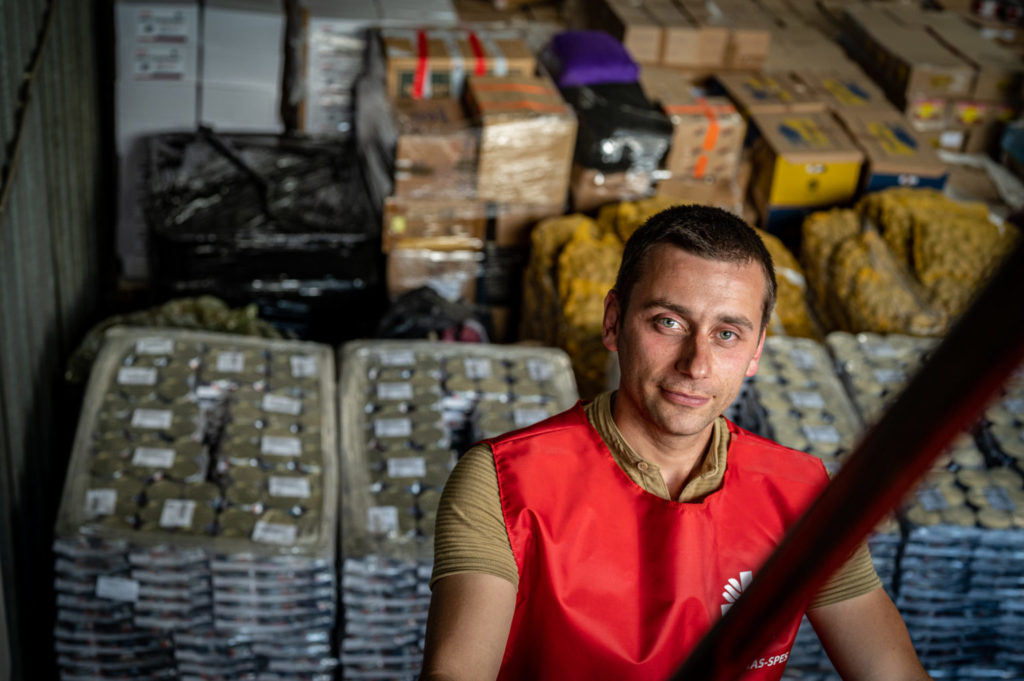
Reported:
(755, 361)
(612, 318)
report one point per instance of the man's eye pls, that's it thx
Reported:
(727, 335)
(667, 323)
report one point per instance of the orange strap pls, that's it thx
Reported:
(527, 104)
(423, 54)
(711, 136)
(478, 52)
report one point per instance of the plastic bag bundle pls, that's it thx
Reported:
(792, 316)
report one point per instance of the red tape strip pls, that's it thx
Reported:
(480, 69)
(422, 59)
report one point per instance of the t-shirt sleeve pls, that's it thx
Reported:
(469, 532)
(855, 577)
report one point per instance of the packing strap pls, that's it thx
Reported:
(711, 136)
(421, 79)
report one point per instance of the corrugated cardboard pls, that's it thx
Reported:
(749, 29)
(434, 63)
(591, 189)
(636, 28)
(452, 273)
(769, 93)
(895, 155)
(461, 223)
(998, 74)
(686, 44)
(845, 91)
(527, 138)
(436, 152)
(707, 135)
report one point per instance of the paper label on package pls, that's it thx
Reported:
(281, 446)
(154, 345)
(931, 499)
(303, 366)
(540, 370)
(282, 405)
(394, 391)
(117, 588)
(136, 376)
(802, 359)
(230, 362)
(100, 501)
(392, 427)
(527, 416)
(159, 419)
(381, 519)
(161, 25)
(826, 434)
(889, 376)
(274, 533)
(153, 457)
(999, 499)
(807, 399)
(177, 513)
(159, 62)
(477, 367)
(397, 358)
(289, 487)
(951, 139)
(408, 467)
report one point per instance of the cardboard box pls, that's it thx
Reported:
(749, 29)
(513, 223)
(927, 113)
(725, 194)
(687, 44)
(591, 189)
(769, 93)
(895, 155)
(845, 91)
(636, 29)
(998, 72)
(436, 151)
(455, 224)
(707, 135)
(980, 124)
(527, 138)
(452, 273)
(802, 162)
(434, 63)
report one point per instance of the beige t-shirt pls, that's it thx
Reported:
(470, 533)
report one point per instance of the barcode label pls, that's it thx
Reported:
(177, 513)
(382, 519)
(477, 367)
(410, 467)
(397, 358)
(153, 457)
(289, 487)
(807, 400)
(303, 366)
(392, 427)
(154, 346)
(889, 376)
(282, 405)
(394, 391)
(539, 369)
(117, 588)
(100, 501)
(274, 533)
(281, 446)
(826, 434)
(230, 362)
(527, 416)
(136, 376)
(159, 419)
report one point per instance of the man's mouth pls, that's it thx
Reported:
(685, 398)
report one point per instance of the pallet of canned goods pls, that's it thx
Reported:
(198, 521)
(408, 409)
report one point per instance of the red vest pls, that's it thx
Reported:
(617, 583)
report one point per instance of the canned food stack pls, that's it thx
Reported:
(205, 465)
(407, 409)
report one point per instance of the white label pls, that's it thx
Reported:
(117, 588)
(540, 370)
(274, 533)
(932, 499)
(477, 367)
(289, 487)
(410, 467)
(1014, 406)
(153, 457)
(951, 139)
(281, 446)
(151, 418)
(100, 501)
(999, 499)
(136, 376)
(392, 427)
(802, 359)
(303, 366)
(382, 519)
(879, 350)
(807, 400)
(154, 346)
(890, 376)
(282, 405)
(527, 416)
(394, 391)
(156, 25)
(159, 62)
(177, 513)
(397, 358)
(826, 434)
(232, 362)
(208, 392)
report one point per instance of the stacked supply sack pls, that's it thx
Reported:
(197, 528)
(408, 408)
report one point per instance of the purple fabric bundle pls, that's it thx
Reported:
(589, 58)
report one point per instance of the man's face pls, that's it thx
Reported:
(690, 333)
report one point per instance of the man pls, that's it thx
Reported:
(604, 542)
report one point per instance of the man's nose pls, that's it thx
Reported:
(694, 357)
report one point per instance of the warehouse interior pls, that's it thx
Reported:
(417, 207)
